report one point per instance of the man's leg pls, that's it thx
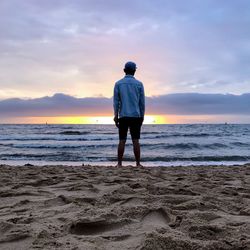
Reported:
(137, 152)
(123, 130)
(120, 152)
(135, 130)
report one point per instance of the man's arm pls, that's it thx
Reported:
(142, 102)
(116, 104)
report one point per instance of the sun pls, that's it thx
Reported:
(154, 119)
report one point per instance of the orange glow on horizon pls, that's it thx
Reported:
(107, 119)
(148, 119)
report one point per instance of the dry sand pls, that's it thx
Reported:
(59, 207)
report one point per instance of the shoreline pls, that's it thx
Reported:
(93, 207)
(126, 163)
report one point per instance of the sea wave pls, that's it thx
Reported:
(37, 146)
(185, 146)
(63, 156)
(71, 156)
(241, 144)
(193, 143)
(192, 159)
(192, 135)
(55, 139)
(146, 146)
(72, 132)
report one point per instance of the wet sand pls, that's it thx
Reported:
(64, 207)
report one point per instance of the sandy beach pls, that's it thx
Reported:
(64, 207)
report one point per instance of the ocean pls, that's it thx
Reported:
(164, 145)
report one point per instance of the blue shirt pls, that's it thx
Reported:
(129, 97)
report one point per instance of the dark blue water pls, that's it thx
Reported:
(161, 144)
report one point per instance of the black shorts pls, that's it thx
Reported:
(134, 125)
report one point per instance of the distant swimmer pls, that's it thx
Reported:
(129, 110)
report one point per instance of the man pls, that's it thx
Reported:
(129, 109)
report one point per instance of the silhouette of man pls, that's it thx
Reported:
(129, 109)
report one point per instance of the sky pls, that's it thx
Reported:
(76, 50)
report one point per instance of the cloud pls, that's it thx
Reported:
(200, 104)
(57, 105)
(204, 44)
(177, 104)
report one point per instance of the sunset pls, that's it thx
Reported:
(148, 119)
(124, 125)
(78, 49)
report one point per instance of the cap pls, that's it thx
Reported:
(130, 65)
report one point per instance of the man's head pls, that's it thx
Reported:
(130, 68)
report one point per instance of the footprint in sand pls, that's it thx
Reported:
(60, 200)
(96, 227)
(10, 232)
(156, 218)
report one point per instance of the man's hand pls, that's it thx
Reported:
(142, 119)
(116, 120)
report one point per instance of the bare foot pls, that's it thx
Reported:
(139, 166)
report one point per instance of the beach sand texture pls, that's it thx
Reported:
(64, 207)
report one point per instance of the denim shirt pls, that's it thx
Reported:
(129, 97)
